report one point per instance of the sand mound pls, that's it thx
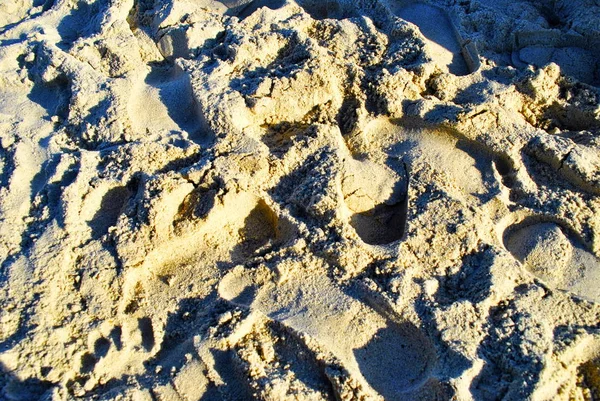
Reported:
(279, 199)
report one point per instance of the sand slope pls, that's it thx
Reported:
(290, 200)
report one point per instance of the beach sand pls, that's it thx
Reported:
(299, 200)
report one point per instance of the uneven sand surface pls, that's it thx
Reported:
(299, 200)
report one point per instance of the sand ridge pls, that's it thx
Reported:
(279, 199)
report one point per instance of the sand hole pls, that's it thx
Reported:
(260, 227)
(553, 254)
(135, 300)
(147, 331)
(381, 225)
(116, 336)
(238, 225)
(87, 363)
(101, 347)
(396, 360)
(317, 9)
(236, 386)
(506, 171)
(347, 117)
(109, 211)
(131, 307)
(441, 36)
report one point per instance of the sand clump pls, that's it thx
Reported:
(279, 199)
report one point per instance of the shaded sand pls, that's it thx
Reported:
(164, 102)
(299, 200)
(574, 61)
(439, 32)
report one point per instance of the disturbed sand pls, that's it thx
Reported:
(299, 200)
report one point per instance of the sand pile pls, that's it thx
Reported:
(290, 200)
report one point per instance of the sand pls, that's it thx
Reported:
(299, 200)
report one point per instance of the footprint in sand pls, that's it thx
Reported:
(376, 194)
(377, 197)
(553, 254)
(115, 350)
(251, 221)
(466, 165)
(394, 359)
(210, 231)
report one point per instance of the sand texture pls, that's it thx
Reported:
(299, 200)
